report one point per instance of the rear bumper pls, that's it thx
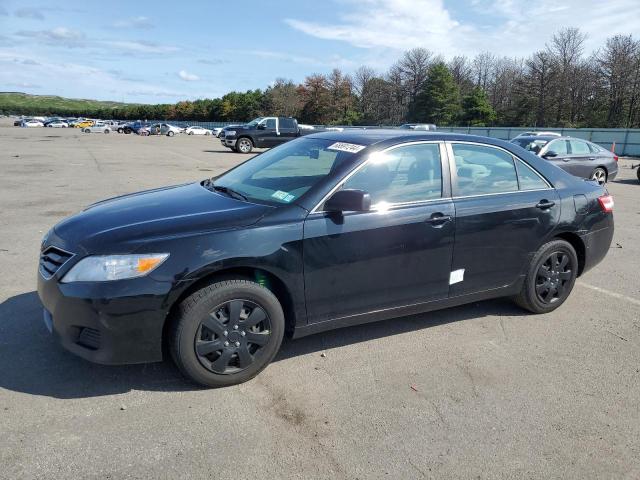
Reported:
(107, 322)
(597, 245)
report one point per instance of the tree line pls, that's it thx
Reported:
(557, 86)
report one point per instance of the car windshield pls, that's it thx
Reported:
(285, 173)
(532, 144)
(255, 122)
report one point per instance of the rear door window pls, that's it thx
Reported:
(483, 170)
(579, 148)
(528, 178)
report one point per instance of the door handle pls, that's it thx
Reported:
(592, 158)
(566, 159)
(545, 204)
(438, 219)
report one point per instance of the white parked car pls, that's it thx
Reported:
(58, 124)
(98, 127)
(197, 130)
(32, 123)
(535, 134)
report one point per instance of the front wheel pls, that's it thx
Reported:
(120, 130)
(599, 175)
(226, 333)
(550, 278)
(244, 145)
(170, 133)
(86, 130)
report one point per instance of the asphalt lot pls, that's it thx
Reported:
(480, 391)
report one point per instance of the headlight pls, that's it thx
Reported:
(113, 267)
(230, 133)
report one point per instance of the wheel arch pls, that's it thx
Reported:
(578, 245)
(259, 275)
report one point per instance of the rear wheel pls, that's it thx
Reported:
(226, 333)
(550, 278)
(86, 130)
(244, 145)
(106, 130)
(599, 175)
(170, 133)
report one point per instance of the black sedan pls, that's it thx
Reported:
(326, 231)
(574, 155)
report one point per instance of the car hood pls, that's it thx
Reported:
(122, 224)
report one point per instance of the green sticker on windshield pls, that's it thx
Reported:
(284, 196)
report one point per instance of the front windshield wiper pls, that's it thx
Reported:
(230, 191)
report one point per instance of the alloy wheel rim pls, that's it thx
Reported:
(232, 336)
(552, 277)
(599, 176)
(244, 145)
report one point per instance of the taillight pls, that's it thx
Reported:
(615, 157)
(606, 203)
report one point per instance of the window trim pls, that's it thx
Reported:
(454, 170)
(446, 181)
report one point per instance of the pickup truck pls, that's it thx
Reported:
(262, 132)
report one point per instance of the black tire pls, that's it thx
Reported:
(170, 133)
(106, 130)
(244, 145)
(127, 131)
(190, 133)
(638, 173)
(199, 319)
(542, 281)
(86, 130)
(600, 175)
(120, 130)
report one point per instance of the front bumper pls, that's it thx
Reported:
(117, 322)
(228, 142)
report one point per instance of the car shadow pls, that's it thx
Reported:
(628, 181)
(32, 362)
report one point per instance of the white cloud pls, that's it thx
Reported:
(188, 77)
(507, 27)
(134, 22)
(56, 36)
(140, 47)
(330, 61)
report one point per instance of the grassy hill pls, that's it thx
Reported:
(26, 104)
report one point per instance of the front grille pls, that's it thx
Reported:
(89, 338)
(51, 259)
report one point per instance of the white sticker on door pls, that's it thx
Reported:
(456, 276)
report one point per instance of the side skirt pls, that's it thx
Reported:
(406, 310)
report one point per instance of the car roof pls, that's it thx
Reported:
(373, 136)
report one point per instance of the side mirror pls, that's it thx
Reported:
(261, 126)
(348, 201)
(550, 154)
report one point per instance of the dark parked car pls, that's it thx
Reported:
(134, 127)
(574, 155)
(261, 132)
(326, 231)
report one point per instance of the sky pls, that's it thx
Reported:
(165, 51)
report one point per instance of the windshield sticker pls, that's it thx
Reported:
(346, 147)
(284, 196)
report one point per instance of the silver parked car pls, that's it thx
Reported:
(98, 127)
(575, 155)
